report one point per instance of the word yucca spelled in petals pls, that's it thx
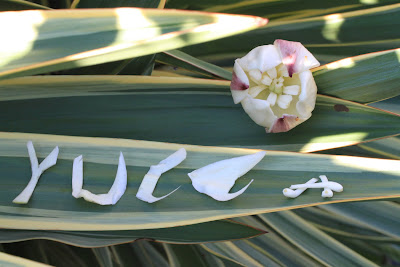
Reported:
(275, 86)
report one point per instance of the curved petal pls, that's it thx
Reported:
(217, 179)
(259, 111)
(295, 56)
(263, 58)
(308, 95)
(240, 83)
(285, 123)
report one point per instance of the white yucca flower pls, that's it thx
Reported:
(275, 86)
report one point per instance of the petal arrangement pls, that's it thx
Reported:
(328, 186)
(214, 180)
(275, 86)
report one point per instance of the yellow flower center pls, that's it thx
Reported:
(274, 85)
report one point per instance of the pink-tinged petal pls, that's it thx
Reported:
(261, 58)
(259, 111)
(239, 83)
(284, 124)
(308, 95)
(295, 56)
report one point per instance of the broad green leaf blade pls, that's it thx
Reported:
(53, 208)
(178, 110)
(14, 261)
(364, 79)
(181, 59)
(277, 9)
(15, 5)
(63, 39)
(336, 224)
(312, 241)
(329, 37)
(383, 217)
(205, 232)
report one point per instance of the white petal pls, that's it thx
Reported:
(77, 176)
(308, 95)
(291, 90)
(255, 90)
(272, 73)
(259, 111)
(287, 192)
(217, 179)
(266, 80)
(114, 194)
(150, 180)
(295, 56)
(272, 98)
(284, 101)
(37, 171)
(282, 70)
(284, 123)
(262, 58)
(331, 185)
(255, 75)
(240, 83)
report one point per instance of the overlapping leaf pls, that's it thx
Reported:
(52, 206)
(191, 111)
(329, 37)
(204, 232)
(43, 41)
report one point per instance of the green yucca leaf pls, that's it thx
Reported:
(329, 38)
(312, 241)
(178, 110)
(335, 224)
(366, 78)
(278, 9)
(14, 261)
(380, 216)
(53, 208)
(44, 41)
(204, 232)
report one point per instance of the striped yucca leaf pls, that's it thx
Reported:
(52, 206)
(51, 40)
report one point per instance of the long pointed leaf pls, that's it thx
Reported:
(191, 111)
(43, 41)
(53, 208)
(312, 241)
(198, 233)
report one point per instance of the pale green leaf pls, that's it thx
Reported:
(364, 79)
(312, 241)
(178, 110)
(53, 208)
(43, 41)
(380, 216)
(197, 233)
